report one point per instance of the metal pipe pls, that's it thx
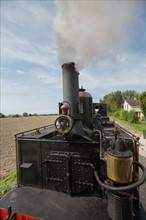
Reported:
(123, 188)
(101, 153)
(135, 168)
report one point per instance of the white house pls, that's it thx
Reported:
(133, 104)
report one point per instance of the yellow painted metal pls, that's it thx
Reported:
(119, 169)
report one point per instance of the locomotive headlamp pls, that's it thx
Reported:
(64, 124)
(64, 108)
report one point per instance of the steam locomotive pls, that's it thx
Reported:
(84, 166)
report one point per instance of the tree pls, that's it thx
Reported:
(113, 100)
(35, 114)
(142, 99)
(2, 115)
(118, 101)
(25, 114)
(16, 116)
(129, 94)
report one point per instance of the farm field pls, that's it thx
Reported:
(8, 128)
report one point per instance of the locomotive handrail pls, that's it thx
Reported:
(24, 132)
(128, 132)
(101, 146)
(123, 188)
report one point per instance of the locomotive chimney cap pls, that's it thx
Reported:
(82, 89)
(69, 66)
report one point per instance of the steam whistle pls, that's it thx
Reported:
(115, 132)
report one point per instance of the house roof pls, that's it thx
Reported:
(133, 102)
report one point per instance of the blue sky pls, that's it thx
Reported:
(31, 79)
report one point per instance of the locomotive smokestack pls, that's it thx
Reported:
(71, 94)
(71, 87)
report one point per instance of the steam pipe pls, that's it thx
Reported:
(123, 188)
(101, 153)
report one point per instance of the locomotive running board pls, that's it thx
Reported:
(52, 205)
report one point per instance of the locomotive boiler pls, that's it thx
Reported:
(84, 166)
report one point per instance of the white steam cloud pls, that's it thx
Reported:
(88, 31)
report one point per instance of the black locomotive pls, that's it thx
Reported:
(82, 167)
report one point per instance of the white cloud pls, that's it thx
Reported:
(15, 47)
(47, 79)
(128, 73)
(24, 13)
(12, 87)
(53, 79)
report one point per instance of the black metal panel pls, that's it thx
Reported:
(57, 171)
(87, 115)
(29, 163)
(59, 164)
(69, 172)
(82, 174)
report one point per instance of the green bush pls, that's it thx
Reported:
(15, 116)
(123, 114)
(132, 117)
(142, 119)
(117, 114)
(142, 99)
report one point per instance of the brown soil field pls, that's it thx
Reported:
(8, 128)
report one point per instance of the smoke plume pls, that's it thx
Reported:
(88, 31)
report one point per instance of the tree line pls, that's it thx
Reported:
(25, 114)
(115, 101)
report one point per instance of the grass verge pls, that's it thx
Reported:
(140, 126)
(7, 184)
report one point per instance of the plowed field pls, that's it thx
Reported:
(8, 128)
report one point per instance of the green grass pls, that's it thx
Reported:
(141, 126)
(7, 184)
